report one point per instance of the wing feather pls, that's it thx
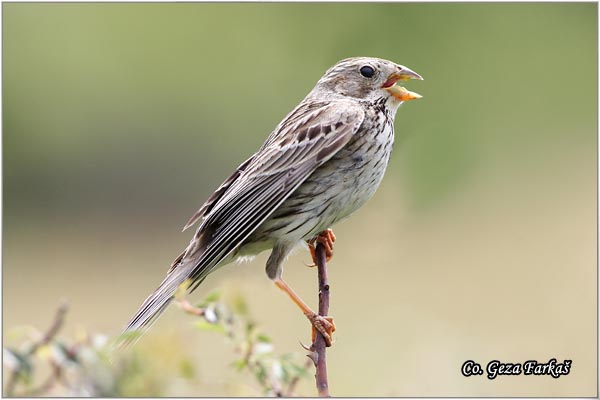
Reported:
(273, 175)
(206, 207)
(308, 137)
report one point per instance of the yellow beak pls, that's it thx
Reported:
(402, 94)
(397, 91)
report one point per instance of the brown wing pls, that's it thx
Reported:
(295, 150)
(207, 206)
(307, 138)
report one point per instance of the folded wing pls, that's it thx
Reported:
(306, 139)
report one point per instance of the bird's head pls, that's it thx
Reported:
(366, 78)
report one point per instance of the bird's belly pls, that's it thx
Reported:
(334, 191)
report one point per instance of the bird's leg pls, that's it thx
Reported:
(323, 324)
(326, 238)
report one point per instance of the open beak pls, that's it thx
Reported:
(400, 93)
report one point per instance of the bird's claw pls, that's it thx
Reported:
(323, 324)
(326, 239)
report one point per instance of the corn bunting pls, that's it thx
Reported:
(319, 165)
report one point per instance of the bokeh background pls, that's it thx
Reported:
(120, 119)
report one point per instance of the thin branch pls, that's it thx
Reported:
(47, 337)
(47, 385)
(11, 383)
(57, 322)
(319, 346)
(292, 386)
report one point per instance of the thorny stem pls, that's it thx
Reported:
(319, 346)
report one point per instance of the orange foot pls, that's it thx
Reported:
(326, 238)
(322, 324)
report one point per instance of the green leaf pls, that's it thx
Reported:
(239, 364)
(239, 305)
(261, 374)
(211, 297)
(301, 371)
(249, 328)
(261, 337)
(186, 369)
(207, 326)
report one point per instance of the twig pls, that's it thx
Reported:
(295, 380)
(57, 322)
(47, 385)
(319, 346)
(12, 382)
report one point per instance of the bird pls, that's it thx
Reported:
(320, 164)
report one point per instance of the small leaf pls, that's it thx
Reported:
(240, 364)
(261, 374)
(207, 326)
(212, 297)
(261, 337)
(186, 369)
(239, 305)
(301, 371)
(249, 327)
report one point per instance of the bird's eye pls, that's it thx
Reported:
(367, 71)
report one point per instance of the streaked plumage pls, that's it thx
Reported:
(320, 164)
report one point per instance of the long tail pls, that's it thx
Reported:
(156, 303)
(189, 266)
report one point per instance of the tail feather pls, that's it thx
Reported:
(156, 303)
(189, 266)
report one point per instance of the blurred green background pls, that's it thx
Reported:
(120, 119)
